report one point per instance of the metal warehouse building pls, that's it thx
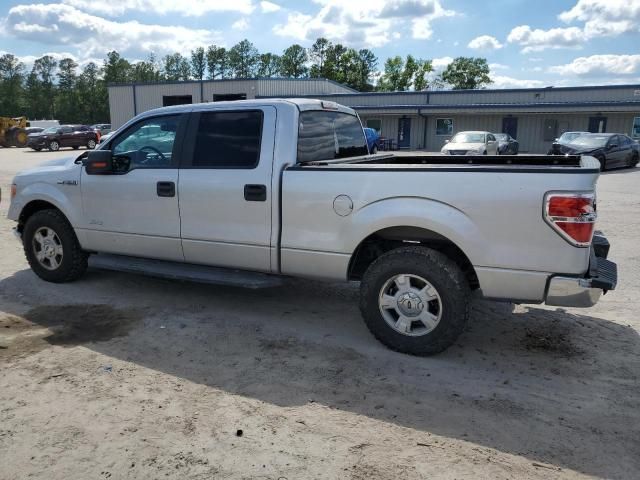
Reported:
(420, 120)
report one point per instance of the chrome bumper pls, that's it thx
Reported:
(572, 292)
(585, 292)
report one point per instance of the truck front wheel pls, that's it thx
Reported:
(415, 300)
(51, 247)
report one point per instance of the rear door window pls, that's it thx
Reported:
(228, 139)
(326, 135)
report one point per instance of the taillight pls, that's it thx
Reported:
(572, 215)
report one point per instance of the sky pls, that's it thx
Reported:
(528, 43)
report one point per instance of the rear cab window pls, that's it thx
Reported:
(324, 135)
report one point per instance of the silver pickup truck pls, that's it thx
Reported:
(287, 187)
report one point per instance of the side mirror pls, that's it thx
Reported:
(99, 162)
(447, 141)
(612, 146)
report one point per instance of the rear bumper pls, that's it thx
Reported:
(585, 291)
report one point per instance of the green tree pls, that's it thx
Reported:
(391, 80)
(66, 97)
(11, 85)
(269, 65)
(293, 62)
(217, 62)
(176, 67)
(318, 55)
(243, 59)
(466, 73)
(116, 69)
(402, 75)
(420, 81)
(146, 70)
(198, 63)
(93, 98)
(41, 88)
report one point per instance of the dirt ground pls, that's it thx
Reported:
(121, 376)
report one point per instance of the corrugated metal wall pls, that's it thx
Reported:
(121, 105)
(226, 87)
(150, 96)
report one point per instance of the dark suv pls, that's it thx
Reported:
(54, 138)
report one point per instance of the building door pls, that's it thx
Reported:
(597, 124)
(510, 126)
(404, 133)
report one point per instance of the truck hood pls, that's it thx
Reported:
(59, 165)
(463, 146)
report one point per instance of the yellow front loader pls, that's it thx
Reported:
(13, 132)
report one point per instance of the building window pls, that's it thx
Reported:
(171, 100)
(375, 123)
(444, 127)
(227, 97)
(635, 130)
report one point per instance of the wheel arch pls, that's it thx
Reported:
(389, 238)
(33, 207)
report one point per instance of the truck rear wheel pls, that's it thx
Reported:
(415, 300)
(51, 247)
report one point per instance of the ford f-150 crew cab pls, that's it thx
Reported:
(287, 187)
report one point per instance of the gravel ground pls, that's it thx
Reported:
(122, 376)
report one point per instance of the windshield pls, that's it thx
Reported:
(50, 130)
(501, 137)
(569, 136)
(591, 141)
(468, 138)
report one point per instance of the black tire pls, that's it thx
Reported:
(73, 262)
(54, 145)
(76, 147)
(36, 149)
(603, 163)
(634, 161)
(442, 273)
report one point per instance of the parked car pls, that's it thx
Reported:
(471, 143)
(507, 145)
(102, 128)
(55, 138)
(106, 137)
(372, 139)
(287, 187)
(559, 145)
(611, 149)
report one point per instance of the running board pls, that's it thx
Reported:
(184, 271)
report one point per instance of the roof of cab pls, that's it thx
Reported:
(302, 104)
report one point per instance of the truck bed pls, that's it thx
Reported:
(501, 163)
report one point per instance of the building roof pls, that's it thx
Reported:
(179, 82)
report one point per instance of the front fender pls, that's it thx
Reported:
(60, 198)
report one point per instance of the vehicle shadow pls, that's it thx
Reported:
(617, 171)
(553, 386)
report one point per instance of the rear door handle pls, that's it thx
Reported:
(166, 189)
(255, 193)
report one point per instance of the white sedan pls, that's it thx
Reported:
(471, 143)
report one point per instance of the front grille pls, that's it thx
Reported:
(457, 152)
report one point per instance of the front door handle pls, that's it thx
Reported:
(166, 189)
(255, 193)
